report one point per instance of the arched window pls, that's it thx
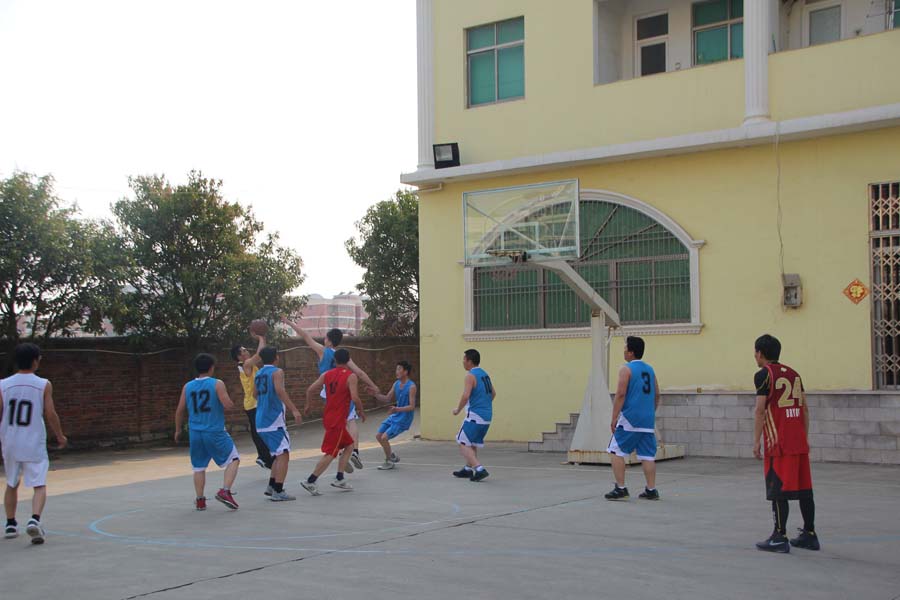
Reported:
(636, 258)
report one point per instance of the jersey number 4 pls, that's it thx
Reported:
(203, 396)
(20, 412)
(790, 394)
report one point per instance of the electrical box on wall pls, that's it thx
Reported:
(793, 290)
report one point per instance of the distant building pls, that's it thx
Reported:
(344, 311)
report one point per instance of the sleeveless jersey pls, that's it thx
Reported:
(326, 363)
(481, 402)
(401, 393)
(784, 431)
(639, 410)
(22, 431)
(269, 408)
(247, 385)
(337, 408)
(205, 411)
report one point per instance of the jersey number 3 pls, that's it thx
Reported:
(646, 378)
(790, 394)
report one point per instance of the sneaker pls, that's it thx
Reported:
(36, 532)
(776, 542)
(349, 468)
(200, 503)
(312, 488)
(394, 458)
(807, 539)
(479, 475)
(342, 484)
(269, 491)
(356, 460)
(464, 473)
(261, 463)
(386, 466)
(11, 532)
(649, 494)
(281, 496)
(617, 493)
(224, 496)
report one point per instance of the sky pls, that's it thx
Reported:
(305, 110)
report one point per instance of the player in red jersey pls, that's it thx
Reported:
(782, 419)
(341, 389)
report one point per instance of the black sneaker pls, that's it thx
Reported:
(617, 493)
(649, 494)
(807, 539)
(479, 475)
(463, 473)
(777, 542)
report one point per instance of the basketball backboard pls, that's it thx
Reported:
(540, 220)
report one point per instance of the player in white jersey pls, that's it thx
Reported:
(26, 400)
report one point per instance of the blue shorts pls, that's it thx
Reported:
(472, 434)
(212, 445)
(392, 428)
(641, 443)
(276, 441)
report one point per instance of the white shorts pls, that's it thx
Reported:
(352, 416)
(34, 474)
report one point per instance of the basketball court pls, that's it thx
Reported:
(121, 524)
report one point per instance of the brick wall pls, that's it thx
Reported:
(106, 394)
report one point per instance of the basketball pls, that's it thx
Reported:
(259, 327)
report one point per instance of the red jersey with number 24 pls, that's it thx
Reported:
(337, 394)
(784, 430)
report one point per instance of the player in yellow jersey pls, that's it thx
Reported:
(247, 367)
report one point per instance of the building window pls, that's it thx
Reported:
(495, 62)
(651, 35)
(895, 17)
(641, 268)
(718, 29)
(823, 22)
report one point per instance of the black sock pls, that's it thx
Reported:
(312, 478)
(780, 511)
(36, 517)
(11, 522)
(356, 451)
(340, 476)
(808, 510)
(271, 482)
(278, 487)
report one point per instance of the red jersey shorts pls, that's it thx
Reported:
(788, 477)
(336, 439)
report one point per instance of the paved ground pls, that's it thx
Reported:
(122, 525)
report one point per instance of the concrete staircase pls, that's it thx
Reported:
(556, 441)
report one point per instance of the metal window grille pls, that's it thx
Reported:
(632, 261)
(884, 238)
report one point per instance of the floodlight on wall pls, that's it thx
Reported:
(446, 155)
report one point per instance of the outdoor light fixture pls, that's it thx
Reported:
(446, 155)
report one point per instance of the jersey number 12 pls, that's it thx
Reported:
(204, 401)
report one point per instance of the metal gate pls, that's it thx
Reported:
(884, 239)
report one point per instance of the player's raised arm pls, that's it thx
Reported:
(222, 392)
(353, 384)
(255, 360)
(316, 346)
(621, 391)
(179, 414)
(468, 385)
(313, 392)
(51, 418)
(281, 392)
(365, 378)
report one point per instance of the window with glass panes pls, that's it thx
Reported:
(651, 40)
(895, 17)
(495, 62)
(718, 29)
(640, 268)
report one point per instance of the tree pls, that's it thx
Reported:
(196, 270)
(57, 271)
(387, 247)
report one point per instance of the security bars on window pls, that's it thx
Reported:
(884, 236)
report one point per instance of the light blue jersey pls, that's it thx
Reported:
(269, 407)
(205, 411)
(639, 410)
(401, 393)
(326, 363)
(481, 400)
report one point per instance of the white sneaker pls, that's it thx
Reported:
(342, 484)
(394, 458)
(281, 496)
(269, 491)
(11, 532)
(312, 488)
(36, 532)
(386, 466)
(356, 460)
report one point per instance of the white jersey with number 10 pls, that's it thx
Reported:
(22, 430)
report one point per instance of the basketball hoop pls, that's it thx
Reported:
(515, 256)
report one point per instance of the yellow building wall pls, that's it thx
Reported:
(564, 110)
(727, 198)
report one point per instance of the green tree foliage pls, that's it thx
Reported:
(56, 270)
(387, 247)
(196, 268)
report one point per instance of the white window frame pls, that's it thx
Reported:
(638, 44)
(811, 6)
(727, 23)
(496, 50)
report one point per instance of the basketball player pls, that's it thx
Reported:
(782, 418)
(26, 402)
(272, 399)
(634, 421)
(400, 416)
(206, 399)
(247, 367)
(341, 389)
(478, 400)
(325, 353)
